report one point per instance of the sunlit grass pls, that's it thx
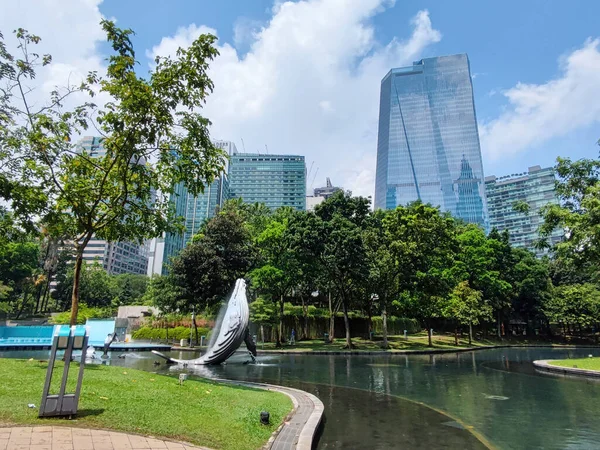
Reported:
(201, 412)
(579, 363)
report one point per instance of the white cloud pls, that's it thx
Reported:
(309, 84)
(70, 31)
(539, 112)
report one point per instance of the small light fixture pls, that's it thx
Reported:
(264, 417)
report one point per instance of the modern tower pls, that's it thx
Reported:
(275, 180)
(115, 257)
(536, 187)
(428, 143)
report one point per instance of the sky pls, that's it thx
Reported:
(303, 77)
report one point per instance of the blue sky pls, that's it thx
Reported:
(304, 77)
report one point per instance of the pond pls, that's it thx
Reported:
(472, 400)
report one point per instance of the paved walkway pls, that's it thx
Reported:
(65, 438)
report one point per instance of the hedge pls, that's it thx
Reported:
(396, 325)
(178, 333)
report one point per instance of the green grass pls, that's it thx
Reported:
(416, 341)
(201, 412)
(579, 363)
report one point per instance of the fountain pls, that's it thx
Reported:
(232, 331)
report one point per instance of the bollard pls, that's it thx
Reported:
(202, 338)
(405, 335)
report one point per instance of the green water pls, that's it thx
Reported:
(490, 398)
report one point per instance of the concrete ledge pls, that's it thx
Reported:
(300, 427)
(546, 366)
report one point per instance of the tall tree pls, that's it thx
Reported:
(468, 307)
(79, 195)
(423, 244)
(206, 270)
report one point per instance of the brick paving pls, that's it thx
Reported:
(65, 438)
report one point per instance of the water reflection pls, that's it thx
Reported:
(491, 396)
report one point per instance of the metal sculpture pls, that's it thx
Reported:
(233, 331)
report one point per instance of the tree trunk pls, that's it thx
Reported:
(280, 339)
(304, 318)
(498, 326)
(76, 279)
(384, 325)
(347, 326)
(456, 336)
(196, 330)
(470, 333)
(331, 320)
(429, 335)
(25, 295)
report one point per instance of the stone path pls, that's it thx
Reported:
(65, 438)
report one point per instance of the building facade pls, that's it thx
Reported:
(428, 143)
(536, 187)
(195, 211)
(275, 180)
(115, 257)
(320, 194)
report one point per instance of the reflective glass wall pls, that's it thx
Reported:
(428, 143)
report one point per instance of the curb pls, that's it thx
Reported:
(303, 438)
(415, 352)
(545, 366)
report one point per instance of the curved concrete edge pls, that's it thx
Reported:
(545, 365)
(304, 432)
(415, 352)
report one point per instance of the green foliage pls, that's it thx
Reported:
(263, 312)
(206, 270)
(399, 324)
(467, 305)
(77, 195)
(85, 313)
(177, 333)
(574, 304)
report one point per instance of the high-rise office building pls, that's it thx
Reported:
(536, 188)
(428, 143)
(275, 180)
(115, 257)
(195, 211)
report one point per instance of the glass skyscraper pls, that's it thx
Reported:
(428, 142)
(275, 180)
(536, 188)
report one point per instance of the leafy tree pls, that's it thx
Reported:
(130, 288)
(280, 267)
(337, 242)
(423, 245)
(263, 312)
(19, 273)
(78, 195)
(467, 307)
(206, 270)
(578, 213)
(574, 304)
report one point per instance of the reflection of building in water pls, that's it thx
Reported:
(428, 143)
(470, 205)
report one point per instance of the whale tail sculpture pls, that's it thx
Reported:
(233, 331)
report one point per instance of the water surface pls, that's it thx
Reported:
(490, 398)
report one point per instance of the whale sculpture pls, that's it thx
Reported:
(233, 331)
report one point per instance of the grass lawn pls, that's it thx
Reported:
(416, 341)
(201, 412)
(579, 363)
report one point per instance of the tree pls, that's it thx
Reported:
(423, 243)
(384, 269)
(19, 273)
(262, 313)
(578, 213)
(337, 243)
(280, 267)
(576, 304)
(153, 138)
(467, 307)
(206, 270)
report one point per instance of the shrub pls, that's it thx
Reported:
(83, 314)
(396, 325)
(178, 333)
